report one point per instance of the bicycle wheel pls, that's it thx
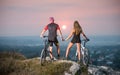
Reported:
(42, 56)
(86, 57)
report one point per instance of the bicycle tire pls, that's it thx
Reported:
(42, 57)
(86, 57)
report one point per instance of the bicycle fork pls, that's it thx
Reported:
(46, 47)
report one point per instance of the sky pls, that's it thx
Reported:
(29, 17)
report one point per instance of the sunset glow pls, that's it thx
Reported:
(96, 17)
(64, 27)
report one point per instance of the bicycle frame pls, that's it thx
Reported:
(84, 53)
(83, 46)
(46, 45)
(44, 50)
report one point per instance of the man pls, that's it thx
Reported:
(52, 36)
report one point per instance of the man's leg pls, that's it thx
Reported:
(58, 51)
(58, 47)
(50, 53)
(50, 49)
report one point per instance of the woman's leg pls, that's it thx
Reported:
(68, 49)
(78, 50)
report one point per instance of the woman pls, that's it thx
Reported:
(76, 31)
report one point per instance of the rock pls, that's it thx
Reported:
(47, 58)
(91, 69)
(73, 69)
(101, 70)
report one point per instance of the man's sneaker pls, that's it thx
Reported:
(58, 57)
(52, 59)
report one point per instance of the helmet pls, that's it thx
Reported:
(51, 18)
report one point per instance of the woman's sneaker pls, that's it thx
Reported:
(65, 58)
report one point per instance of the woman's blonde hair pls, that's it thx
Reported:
(77, 28)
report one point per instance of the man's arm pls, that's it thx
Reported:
(60, 34)
(43, 31)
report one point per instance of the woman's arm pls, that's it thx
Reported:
(70, 35)
(84, 35)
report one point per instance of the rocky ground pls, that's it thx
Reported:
(79, 69)
(17, 64)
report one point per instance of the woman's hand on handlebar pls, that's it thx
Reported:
(87, 39)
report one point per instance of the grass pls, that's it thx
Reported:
(12, 63)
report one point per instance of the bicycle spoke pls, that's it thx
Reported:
(86, 57)
(42, 57)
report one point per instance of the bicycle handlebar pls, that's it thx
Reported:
(85, 41)
(45, 36)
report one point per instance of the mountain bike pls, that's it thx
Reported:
(85, 54)
(45, 50)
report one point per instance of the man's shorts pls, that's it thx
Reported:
(55, 42)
